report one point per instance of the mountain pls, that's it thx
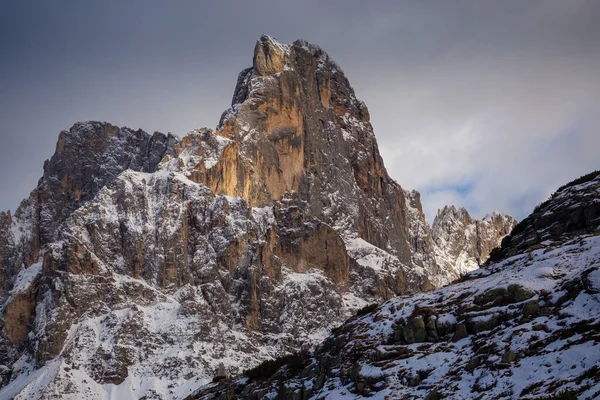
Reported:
(527, 326)
(463, 243)
(142, 265)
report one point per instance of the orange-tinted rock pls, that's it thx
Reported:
(269, 56)
(18, 315)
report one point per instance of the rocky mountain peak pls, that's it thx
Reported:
(451, 214)
(296, 126)
(149, 261)
(270, 56)
(464, 243)
(88, 157)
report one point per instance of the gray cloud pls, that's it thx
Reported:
(490, 105)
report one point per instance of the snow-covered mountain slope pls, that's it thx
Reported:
(527, 326)
(145, 265)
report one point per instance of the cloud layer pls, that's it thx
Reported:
(489, 105)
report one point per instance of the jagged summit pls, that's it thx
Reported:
(296, 126)
(464, 243)
(270, 56)
(144, 265)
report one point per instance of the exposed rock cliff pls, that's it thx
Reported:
(143, 265)
(573, 209)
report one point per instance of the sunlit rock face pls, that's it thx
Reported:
(144, 265)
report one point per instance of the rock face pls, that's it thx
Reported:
(526, 326)
(296, 126)
(463, 243)
(144, 265)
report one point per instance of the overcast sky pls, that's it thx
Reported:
(489, 105)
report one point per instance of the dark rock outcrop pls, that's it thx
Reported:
(464, 243)
(572, 210)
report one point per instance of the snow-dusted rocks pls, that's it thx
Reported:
(571, 210)
(456, 243)
(463, 243)
(526, 326)
(144, 265)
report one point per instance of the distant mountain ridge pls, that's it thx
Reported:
(463, 243)
(526, 326)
